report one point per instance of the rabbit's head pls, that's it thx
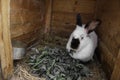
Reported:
(81, 32)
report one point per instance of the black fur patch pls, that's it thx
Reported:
(75, 43)
(78, 20)
(87, 25)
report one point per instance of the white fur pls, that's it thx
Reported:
(87, 45)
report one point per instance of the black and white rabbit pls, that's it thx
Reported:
(83, 40)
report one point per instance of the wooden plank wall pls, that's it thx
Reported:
(116, 71)
(109, 33)
(64, 15)
(6, 59)
(27, 17)
(48, 13)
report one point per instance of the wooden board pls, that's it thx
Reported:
(116, 70)
(27, 16)
(106, 58)
(109, 32)
(5, 40)
(65, 11)
(69, 18)
(81, 6)
(30, 37)
(48, 16)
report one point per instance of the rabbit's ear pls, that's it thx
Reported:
(90, 26)
(78, 20)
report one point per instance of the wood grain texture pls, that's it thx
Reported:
(79, 6)
(106, 58)
(109, 31)
(48, 15)
(116, 70)
(27, 16)
(5, 40)
(65, 11)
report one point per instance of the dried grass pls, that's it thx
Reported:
(21, 73)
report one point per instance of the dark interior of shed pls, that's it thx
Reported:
(34, 21)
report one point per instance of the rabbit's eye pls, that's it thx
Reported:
(82, 38)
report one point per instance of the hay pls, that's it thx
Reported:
(22, 74)
(55, 63)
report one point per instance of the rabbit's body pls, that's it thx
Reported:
(86, 48)
(84, 51)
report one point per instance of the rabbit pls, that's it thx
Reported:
(83, 40)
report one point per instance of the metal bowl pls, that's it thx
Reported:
(19, 49)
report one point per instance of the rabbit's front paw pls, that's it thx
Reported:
(68, 49)
(71, 54)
